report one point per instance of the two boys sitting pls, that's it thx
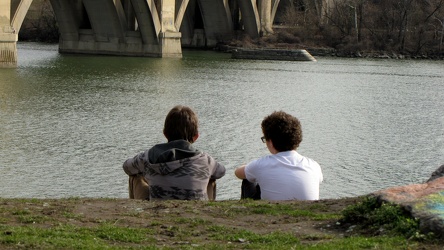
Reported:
(177, 170)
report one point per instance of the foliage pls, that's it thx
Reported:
(381, 217)
(409, 27)
(412, 27)
(44, 28)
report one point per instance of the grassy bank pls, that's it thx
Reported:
(83, 223)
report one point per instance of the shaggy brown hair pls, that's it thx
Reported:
(283, 129)
(181, 123)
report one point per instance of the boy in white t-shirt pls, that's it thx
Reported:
(285, 174)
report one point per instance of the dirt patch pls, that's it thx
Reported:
(166, 214)
(309, 221)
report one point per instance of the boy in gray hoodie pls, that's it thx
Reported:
(174, 170)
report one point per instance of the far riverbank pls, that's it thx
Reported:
(324, 51)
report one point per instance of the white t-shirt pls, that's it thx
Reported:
(286, 176)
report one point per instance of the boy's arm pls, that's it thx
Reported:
(134, 165)
(240, 172)
(218, 169)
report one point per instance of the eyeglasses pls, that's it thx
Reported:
(263, 139)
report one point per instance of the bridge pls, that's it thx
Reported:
(151, 28)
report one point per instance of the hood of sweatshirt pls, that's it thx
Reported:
(166, 157)
(171, 151)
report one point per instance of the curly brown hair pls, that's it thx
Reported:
(181, 123)
(284, 130)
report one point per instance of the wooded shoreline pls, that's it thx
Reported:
(377, 29)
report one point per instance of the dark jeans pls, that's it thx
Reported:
(250, 190)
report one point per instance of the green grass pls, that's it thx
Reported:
(359, 242)
(71, 237)
(375, 216)
(232, 234)
(113, 237)
(256, 207)
(170, 225)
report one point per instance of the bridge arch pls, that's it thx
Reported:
(19, 8)
(204, 22)
(127, 27)
(137, 27)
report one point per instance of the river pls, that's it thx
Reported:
(68, 122)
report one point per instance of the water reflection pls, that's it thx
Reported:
(69, 121)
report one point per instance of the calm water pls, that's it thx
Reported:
(68, 122)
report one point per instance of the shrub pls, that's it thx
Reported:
(380, 217)
(287, 37)
(43, 27)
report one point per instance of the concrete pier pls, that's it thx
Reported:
(170, 44)
(154, 28)
(8, 37)
(8, 51)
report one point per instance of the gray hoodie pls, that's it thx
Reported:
(175, 170)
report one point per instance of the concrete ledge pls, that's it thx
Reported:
(131, 45)
(272, 54)
(168, 34)
(8, 37)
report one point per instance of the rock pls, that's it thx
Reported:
(424, 201)
(430, 223)
(412, 193)
(272, 54)
(437, 174)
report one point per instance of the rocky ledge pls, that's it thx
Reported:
(272, 54)
(281, 53)
(424, 201)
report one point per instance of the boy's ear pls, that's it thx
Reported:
(270, 147)
(195, 137)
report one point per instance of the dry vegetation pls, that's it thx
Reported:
(410, 28)
(406, 28)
